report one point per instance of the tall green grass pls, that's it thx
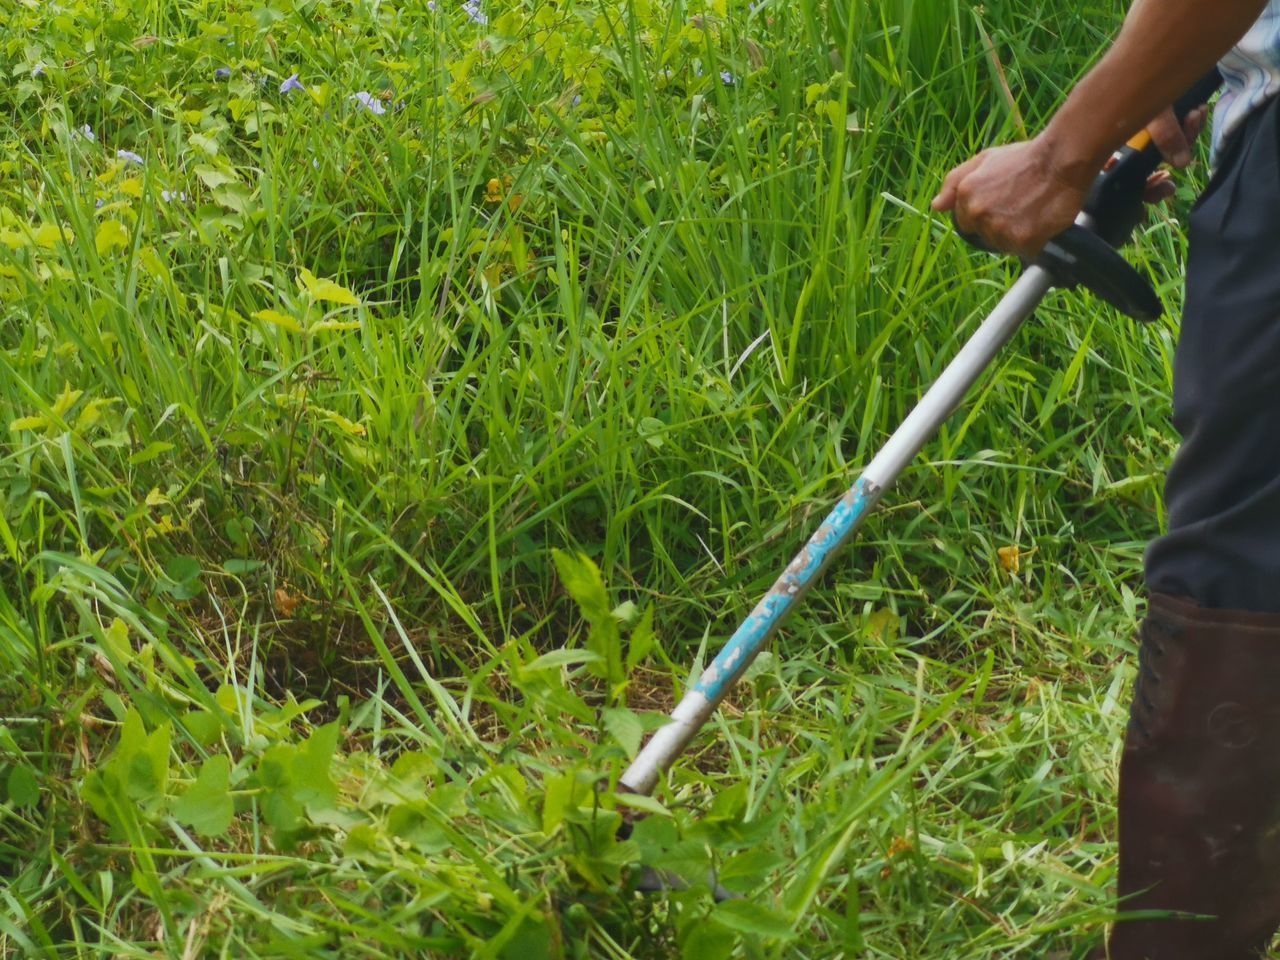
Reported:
(290, 669)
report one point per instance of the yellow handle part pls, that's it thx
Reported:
(1140, 141)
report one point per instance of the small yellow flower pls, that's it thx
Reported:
(1010, 558)
(493, 191)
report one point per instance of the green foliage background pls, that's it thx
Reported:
(301, 396)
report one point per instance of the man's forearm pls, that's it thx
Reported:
(1165, 47)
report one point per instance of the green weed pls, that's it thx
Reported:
(379, 467)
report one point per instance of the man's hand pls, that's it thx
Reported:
(1016, 198)
(1019, 197)
(1175, 144)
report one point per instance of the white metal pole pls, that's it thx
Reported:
(786, 593)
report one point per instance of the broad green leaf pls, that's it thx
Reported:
(156, 777)
(213, 178)
(651, 429)
(312, 779)
(276, 764)
(220, 311)
(231, 699)
(641, 641)
(182, 568)
(91, 413)
(111, 236)
(730, 803)
(625, 727)
(653, 836)
(638, 801)
(751, 865)
(238, 566)
(605, 638)
(581, 577)
(414, 768)
(557, 797)
(116, 639)
(152, 450)
(101, 790)
(364, 844)
(414, 823)
(283, 814)
(22, 786)
(49, 236)
(449, 799)
(65, 401)
(626, 612)
(706, 941)
(234, 196)
(349, 427)
(282, 320)
(204, 144)
(207, 807)
(140, 764)
(531, 940)
(155, 266)
(203, 727)
(133, 735)
(752, 916)
(327, 290)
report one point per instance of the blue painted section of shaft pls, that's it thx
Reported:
(769, 613)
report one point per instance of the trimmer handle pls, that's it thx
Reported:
(1087, 257)
(1115, 204)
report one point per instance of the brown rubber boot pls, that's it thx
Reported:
(1200, 787)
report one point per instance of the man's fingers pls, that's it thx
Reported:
(1194, 124)
(1160, 187)
(1169, 136)
(946, 198)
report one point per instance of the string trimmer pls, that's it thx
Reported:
(1085, 255)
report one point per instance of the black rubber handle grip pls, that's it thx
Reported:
(1198, 95)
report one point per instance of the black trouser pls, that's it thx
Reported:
(1223, 491)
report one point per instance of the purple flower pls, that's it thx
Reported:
(37, 70)
(431, 5)
(577, 99)
(726, 78)
(169, 196)
(222, 73)
(472, 10)
(292, 84)
(369, 102)
(99, 204)
(128, 156)
(87, 133)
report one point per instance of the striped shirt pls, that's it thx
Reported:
(1252, 74)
